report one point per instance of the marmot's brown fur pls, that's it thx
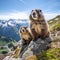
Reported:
(38, 25)
(25, 34)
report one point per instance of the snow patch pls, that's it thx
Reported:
(4, 25)
(11, 24)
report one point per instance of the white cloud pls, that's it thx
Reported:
(49, 16)
(9, 23)
(21, 21)
(25, 15)
(16, 15)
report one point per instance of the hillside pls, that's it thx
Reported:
(5, 44)
(5, 40)
(54, 24)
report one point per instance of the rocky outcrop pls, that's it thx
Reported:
(55, 40)
(37, 47)
(10, 58)
(34, 48)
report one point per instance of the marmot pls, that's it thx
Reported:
(26, 37)
(38, 25)
(26, 34)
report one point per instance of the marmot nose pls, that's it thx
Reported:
(34, 14)
(42, 29)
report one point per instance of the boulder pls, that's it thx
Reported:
(37, 47)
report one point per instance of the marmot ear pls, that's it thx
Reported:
(36, 10)
(40, 10)
(32, 10)
(25, 27)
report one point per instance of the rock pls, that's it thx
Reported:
(11, 58)
(37, 47)
(55, 43)
(34, 48)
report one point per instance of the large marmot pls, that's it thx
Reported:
(38, 25)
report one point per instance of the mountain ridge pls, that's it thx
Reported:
(54, 23)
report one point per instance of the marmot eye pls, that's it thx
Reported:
(33, 13)
(40, 10)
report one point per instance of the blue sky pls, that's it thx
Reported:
(20, 9)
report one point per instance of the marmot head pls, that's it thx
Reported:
(36, 14)
(23, 30)
(25, 34)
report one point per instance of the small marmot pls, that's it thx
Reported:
(26, 34)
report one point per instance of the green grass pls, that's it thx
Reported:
(5, 40)
(3, 50)
(53, 20)
(2, 43)
(51, 54)
(55, 27)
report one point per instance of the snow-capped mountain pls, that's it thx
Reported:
(10, 28)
